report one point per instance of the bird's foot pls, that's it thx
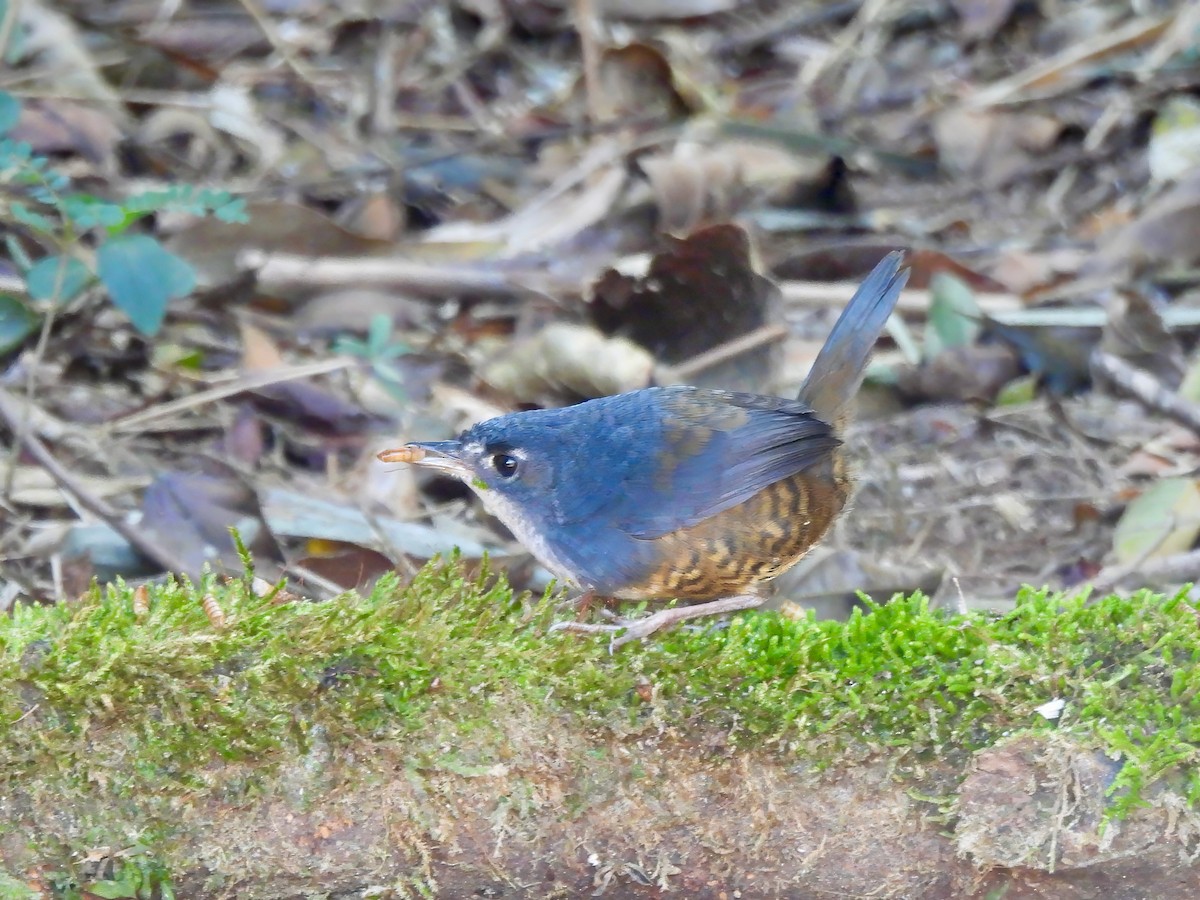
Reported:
(625, 630)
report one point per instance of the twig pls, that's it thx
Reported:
(848, 43)
(383, 81)
(85, 497)
(317, 584)
(1176, 37)
(251, 382)
(298, 66)
(686, 370)
(599, 156)
(283, 271)
(40, 422)
(1179, 36)
(22, 424)
(784, 22)
(1063, 72)
(1180, 567)
(278, 271)
(1148, 389)
(912, 300)
(585, 24)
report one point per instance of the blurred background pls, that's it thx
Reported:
(250, 243)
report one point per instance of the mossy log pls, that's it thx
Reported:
(436, 741)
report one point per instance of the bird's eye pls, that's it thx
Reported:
(505, 464)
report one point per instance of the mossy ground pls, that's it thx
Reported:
(93, 695)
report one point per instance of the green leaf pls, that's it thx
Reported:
(16, 252)
(1190, 387)
(187, 198)
(1174, 148)
(954, 316)
(17, 322)
(379, 333)
(234, 211)
(88, 212)
(58, 279)
(114, 889)
(15, 889)
(14, 154)
(142, 277)
(34, 220)
(10, 112)
(1020, 390)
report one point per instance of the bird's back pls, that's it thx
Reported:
(803, 481)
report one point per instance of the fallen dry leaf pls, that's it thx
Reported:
(191, 514)
(60, 126)
(566, 363)
(636, 82)
(991, 145)
(699, 293)
(1166, 232)
(981, 19)
(1135, 332)
(214, 247)
(1162, 521)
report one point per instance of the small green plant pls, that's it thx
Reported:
(381, 351)
(16, 889)
(129, 875)
(83, 240)
(136, 878)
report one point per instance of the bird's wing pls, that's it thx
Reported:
(718, 449)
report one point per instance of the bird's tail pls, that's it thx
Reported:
(838, 371)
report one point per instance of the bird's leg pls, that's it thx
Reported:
(583, 605)
(579, 604)
(643, 628)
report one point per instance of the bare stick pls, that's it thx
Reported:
(250, 382)
(86, 498)
(585, 24)
(1178, 568)
(686, 370)
(1148, 389)
(279, 271)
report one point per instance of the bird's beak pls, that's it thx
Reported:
(441, 456)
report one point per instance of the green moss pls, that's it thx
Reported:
(91, 694)
(133, 875)
(15, 889)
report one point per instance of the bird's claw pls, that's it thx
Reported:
(634, 629)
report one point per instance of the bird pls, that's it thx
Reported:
(675, 493)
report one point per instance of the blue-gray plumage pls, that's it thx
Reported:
(676, 492)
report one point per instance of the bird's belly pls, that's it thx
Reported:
(733, 551)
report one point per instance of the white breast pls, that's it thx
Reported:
(530, 537)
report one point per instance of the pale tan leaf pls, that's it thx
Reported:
(259, 350)
(1163, 521)
(569, 359)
